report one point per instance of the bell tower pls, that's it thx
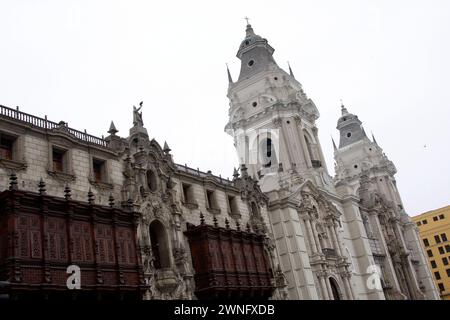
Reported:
(272, 120)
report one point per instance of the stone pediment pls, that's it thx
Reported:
(308, 196)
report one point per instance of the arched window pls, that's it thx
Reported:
(159, 244)
(313, 152)
(152, 182)
(335, 289)
(267, 153)
(308, 146)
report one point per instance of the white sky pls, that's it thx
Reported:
(88, 62)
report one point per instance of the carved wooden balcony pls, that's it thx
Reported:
(229, 263)
(41, 235)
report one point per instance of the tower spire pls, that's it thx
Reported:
(249, 30)
(374, 140)
(334, 144)
(290, 70)
(230, 79)
(112, 129)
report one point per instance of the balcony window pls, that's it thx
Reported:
(232, 202)
(59, 156)
(99, 170)
(211, 201)
(6, 146)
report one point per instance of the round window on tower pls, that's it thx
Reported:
(254, 104)
(349, 134)
(251, 63)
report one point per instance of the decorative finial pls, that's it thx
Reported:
(290, 70)
(227, 223)
(91, 197)
(67, 192)
(249, 30)
(13, 181)
(343, 108)
(202, 218)
(41, 187)
(166, 148)
(215, 222)
(112, 129)
(230, 80)
(111, 200)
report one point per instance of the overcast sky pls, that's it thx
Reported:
(88, 62)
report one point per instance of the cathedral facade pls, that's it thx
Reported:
(331, 234)
(281, 228)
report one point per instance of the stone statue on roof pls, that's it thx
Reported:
(137, 116)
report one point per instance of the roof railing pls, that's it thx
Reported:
(46, 124)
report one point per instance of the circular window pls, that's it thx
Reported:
(276, 78)
(254, 104)
(355, 166)
(288, 122)
(370, 149)
(349, 135)
(251, 62)
(345, 119)
(247, 42)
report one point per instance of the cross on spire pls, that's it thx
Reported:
(247, 18)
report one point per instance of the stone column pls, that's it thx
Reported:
(323, 285)
(348, 286)
(390, 274)
(316, 238)
(310, 235)
(332, 233)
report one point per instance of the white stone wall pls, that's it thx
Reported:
(36, 151)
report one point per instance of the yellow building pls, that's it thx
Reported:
(434, 228)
